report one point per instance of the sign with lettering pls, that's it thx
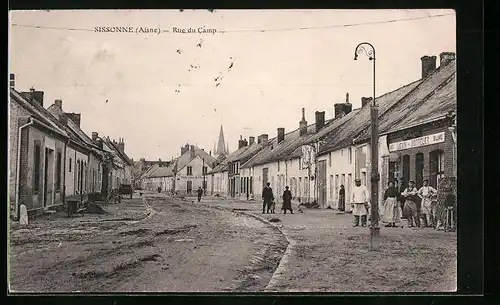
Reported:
(417, 142)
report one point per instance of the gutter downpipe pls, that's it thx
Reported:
(30, 122)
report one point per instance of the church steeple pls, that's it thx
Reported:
(221, 145)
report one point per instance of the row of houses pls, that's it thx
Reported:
(417, 141)
(182, 175)
(51, 159)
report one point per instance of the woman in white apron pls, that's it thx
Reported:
(391, 209)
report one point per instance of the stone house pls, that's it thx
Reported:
(37, 147)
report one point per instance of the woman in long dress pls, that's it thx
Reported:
(391, 208)
(342, 198)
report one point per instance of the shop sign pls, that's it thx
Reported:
(417, 142)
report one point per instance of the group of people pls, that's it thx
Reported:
(417, 206)
(269, 202)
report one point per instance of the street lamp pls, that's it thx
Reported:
(369, 50)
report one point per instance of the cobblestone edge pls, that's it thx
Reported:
(284, 259)
(278, 273)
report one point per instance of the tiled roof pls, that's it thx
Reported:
(360, 120)
(244, 153)
(121, 154)
(76, 134)
(156, 171)
(432, 99)
(38, 112)
(185, 158)
(274, 151)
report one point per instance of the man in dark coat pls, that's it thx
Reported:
(287, 200)
(267, 197)
(200, 192)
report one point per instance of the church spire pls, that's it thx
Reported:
(221, 149)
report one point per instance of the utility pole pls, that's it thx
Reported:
(203, 171)
(375, 176)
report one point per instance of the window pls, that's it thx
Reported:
(189, 170)
(300, 163)
(349, 155)
(363, 178)
(204, 170)
(58, 171)
(341, 152)
(331, 187)
(37, 156)
(69, 165)
(300, 187)
(406, 169)
(419, 169)
(436, 167)
(241, 185)
(337, 186)
(330, 159)
(278, 166)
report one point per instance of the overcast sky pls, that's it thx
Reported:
(274, 73)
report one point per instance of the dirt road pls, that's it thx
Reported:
(175, 246)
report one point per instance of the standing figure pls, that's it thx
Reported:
(411, 198)
(359, 202)
(199, 192)
(267, 197)
(342, 198)
(401, 198)
(287, 200)
(391, 207)
(427, 192)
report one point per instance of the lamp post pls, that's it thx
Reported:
(369, 51)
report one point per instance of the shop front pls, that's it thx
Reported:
(420, 153)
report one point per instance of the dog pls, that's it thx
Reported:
(272, 206)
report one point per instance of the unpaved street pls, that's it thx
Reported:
(165, 245)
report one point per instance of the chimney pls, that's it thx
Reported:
(320, 120)
(63, 119)
(121, 145)
(246, 142)
(210, 153)
(281, 134)
(159, 163)
(12, 80)
(428, 65)
(241, 143)
(365, 100)
(264, 139)
(184, 149)
(446, 57)
(36, 96)
(347, 98)
(252, 140)
(95, 135)
(191, 151)
(303, 123)
(58, 104)
(75, 117)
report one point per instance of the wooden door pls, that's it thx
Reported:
(321, 183)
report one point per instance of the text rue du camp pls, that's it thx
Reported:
(199, 30)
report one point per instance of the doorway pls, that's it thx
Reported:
(322, 186)
(48, 181)
(189, 187)
(265, 173)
